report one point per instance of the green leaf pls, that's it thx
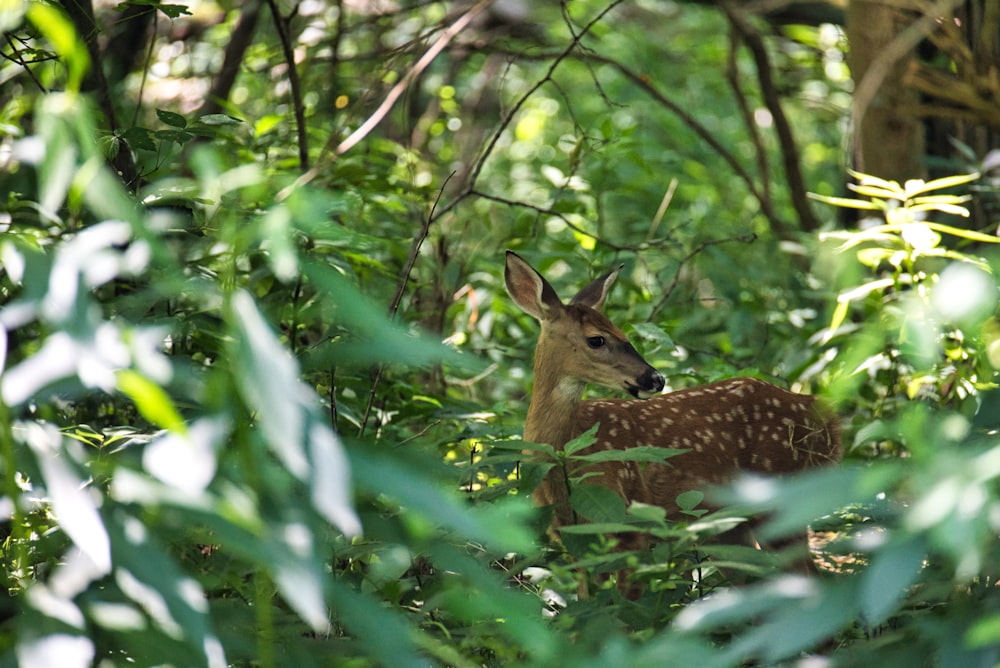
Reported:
(405, 481)
(172, 119)
(173, 11)
(219, 119)
(173, 600)
(373, 336)
(688, 501)
(383, 631)
(175, 136)
(650, 332)
(140, 138)
(584, 440)
(893, 570)
(641, 453)
(984, 632)
(266, 124)
(597, 503)
(596, 528)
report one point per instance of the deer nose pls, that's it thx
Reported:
(648, 384)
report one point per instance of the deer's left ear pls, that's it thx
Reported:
(594, 294)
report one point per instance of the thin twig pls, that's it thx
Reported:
(390, 100)
(294, 85)
(561, 216)
(481, 160)
(398, 297)
(147, 66)
(19, 60)
(695, 126)
(744, 238)
(508, 118)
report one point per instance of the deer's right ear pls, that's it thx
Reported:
(529, 289)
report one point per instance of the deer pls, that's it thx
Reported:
(724, 428)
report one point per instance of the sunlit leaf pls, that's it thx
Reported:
(864, 290)
(873, 257)
(920, 236)
(839, 314)
(151, 400)
(943, 207)
(964, 234)
(59, 649)
(186, 458)
(73, 503)
(268, 377)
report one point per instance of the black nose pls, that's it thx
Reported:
(652, 381)
(646, 385)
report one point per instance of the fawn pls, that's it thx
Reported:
(742, 424)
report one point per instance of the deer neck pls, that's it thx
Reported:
(553, 406)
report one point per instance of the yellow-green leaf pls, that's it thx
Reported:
(847, 202)
(839, 313)
(879, 193)
(943, 207)
(950, 181)
(864, 290)
(869, 180)
(965, 234)
(151, 401)
(872, 257)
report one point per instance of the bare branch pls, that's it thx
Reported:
(694, 252)
(782, 128)
(296, 87)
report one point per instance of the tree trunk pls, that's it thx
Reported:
(888, 136)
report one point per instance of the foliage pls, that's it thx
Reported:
(231, 434)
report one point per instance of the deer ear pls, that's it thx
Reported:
(594, 294)
(529, 289)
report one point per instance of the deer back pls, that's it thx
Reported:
(741, 424)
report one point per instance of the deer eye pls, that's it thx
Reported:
(595, 341)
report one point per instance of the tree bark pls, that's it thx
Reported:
(888, 137)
